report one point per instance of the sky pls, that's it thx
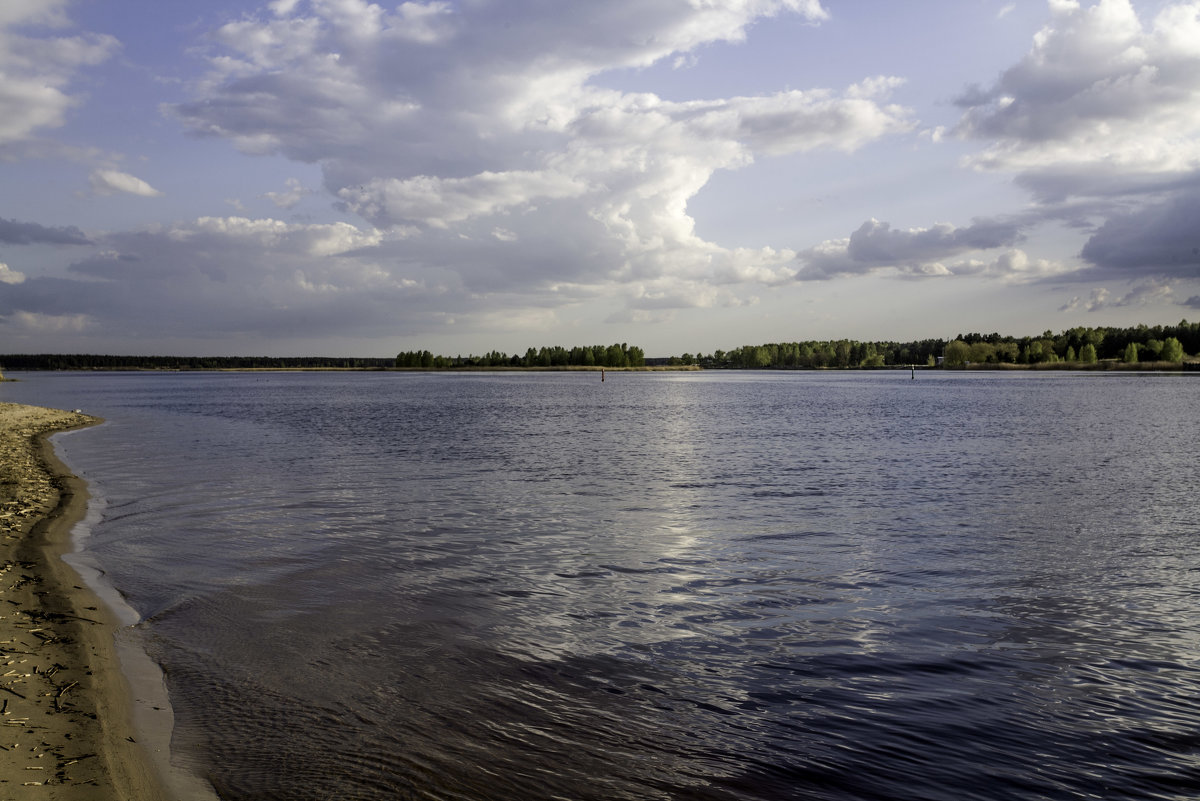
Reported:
(346, 178)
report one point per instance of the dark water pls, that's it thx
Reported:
(690, 586)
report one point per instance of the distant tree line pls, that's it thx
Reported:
(99, 362)
(618, 355)
(1084, 345)
(1080, 345)
(818, 354)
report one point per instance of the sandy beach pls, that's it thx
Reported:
(65, 730)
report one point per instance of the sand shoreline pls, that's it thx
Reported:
(66, 729)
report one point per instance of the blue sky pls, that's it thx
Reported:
(340, 177)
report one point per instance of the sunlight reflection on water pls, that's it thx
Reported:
(741, 585)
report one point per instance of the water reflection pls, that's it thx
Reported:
(730, 586)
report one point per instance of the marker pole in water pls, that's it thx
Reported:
(602, 375)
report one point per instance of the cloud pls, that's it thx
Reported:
(1144, 294)
(1100, 121)
(30, 324)
(222, 249)
(288, 199)
(1193, 302)
(797, 121)
(467, 126)
(109, 182)
(1059, 7)
(917, 252)
(246, 277)
(439, 202)
(1013, 266)
(1097, 90)
(10, 276)
(235, 275)
(33, 12)
(1096, 301)
(317, 239)
(13, 232)
(41, 324)
(1161, 240)
(36, 67)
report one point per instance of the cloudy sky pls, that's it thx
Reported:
(333, 177)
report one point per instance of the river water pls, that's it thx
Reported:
(730, 585)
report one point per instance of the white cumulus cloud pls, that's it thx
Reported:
(441, 201)
(468, 124)
(1099, 89)
(1103, 114)
(109, 182)
(9, 275)
(37, 66)
(294, 193)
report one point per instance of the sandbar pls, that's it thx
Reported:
(65, 707)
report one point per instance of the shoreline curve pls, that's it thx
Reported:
(66, 708)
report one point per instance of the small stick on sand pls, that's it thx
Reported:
(61, 692)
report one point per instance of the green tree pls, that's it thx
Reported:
(982, 352)
(1087, 354)
(1172, 350)
(871, 357)
(958, 353)
(1131, 353)
(841, 351)
(1007, 352)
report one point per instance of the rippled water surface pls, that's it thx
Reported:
(665, 586)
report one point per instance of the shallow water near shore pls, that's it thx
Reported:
(675, 586)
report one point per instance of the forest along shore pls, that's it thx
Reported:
(65, 729)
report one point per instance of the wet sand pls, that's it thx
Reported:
(65, 707)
